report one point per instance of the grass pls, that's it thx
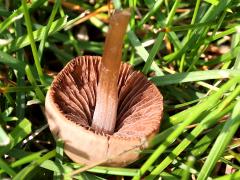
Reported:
(189, 49)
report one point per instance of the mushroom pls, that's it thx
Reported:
(102, 109)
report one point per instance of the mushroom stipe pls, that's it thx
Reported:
(70, 105)
(105, 113)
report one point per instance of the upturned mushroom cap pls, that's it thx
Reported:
(70, 104)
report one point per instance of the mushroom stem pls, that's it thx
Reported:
(105, 114)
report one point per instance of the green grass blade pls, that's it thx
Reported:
(21, 175)
(151, 12)
(23, 129)
(96, 47)
(59, 159)
(172, 36)
(228, 162)
(237, 62)
(32, 42)
(9, 89)
(188, 27)
(234, 176)
(12, 62)
(222, 141)
(20, 97)
(170, 16)
(207, 122)
(199, 34)
(222, 34)
(11, 19)
(4, 12)
(46, 31)
(194, 76)
(61, 54)
(195, 113)
(202, 145)
(197, 53)
(235, 155)
(214, 11)
(24, 160)
(194, 17)
(4, 139)
(162, 136)
(53, 166)
(32, 80)
(142, 52)
(157, 44)
(28, 158)
(84, 176)
(225, 57)
(189, 32)
(23, 41)
(17, 135)
(16, 15)
(113, 171)
(153, 52)
(7, 168)
(213, 2)
(186, 172)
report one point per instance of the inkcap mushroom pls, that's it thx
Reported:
(102, 109)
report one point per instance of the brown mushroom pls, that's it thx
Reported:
(74, 94)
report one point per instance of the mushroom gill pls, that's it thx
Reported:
(70, 105)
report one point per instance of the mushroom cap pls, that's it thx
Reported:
(70, 104)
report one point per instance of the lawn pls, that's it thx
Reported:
(190, 50)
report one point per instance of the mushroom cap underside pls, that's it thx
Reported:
(70, 104)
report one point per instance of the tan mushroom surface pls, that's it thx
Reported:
(70, 105)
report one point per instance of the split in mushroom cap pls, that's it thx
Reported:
(70, 104)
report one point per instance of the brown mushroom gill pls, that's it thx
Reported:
(70, 105)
